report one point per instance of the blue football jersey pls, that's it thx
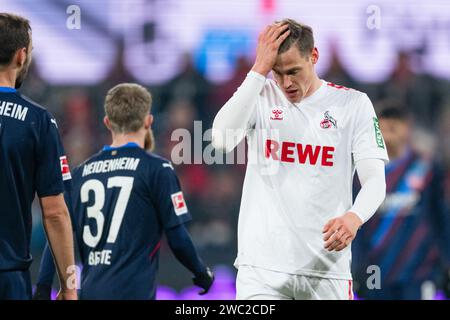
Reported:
(123, 199)
(408, 237)
(32, 161)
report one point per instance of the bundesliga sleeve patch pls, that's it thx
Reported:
(178, 203)
(378, 135)
(65, 170)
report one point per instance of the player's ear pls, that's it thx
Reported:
(148, 121)
(314, 55)
(21, 57)
(106, 122)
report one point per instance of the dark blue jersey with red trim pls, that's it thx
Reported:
(123, 199)
(409, 236)
(31, 161)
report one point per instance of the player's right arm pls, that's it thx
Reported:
(58, 227)
(232, 121)
(47, 269)
(173, 214)
(184, 250)
(51, 169)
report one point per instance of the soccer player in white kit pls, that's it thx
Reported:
(305, 139)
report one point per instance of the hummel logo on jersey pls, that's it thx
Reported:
(328, 121)
(276, 114)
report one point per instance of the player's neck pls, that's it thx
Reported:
(314, 86)
(122, 139)
(7, 79)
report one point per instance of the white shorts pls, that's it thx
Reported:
(254, 283)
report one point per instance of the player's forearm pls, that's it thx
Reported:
(373, 188)
(58, 227)
(231, 122)
(47, 268)
(182, 247)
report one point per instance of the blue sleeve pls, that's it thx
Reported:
(168, 197)
(47, 268)
(184, 250)
(52, 167)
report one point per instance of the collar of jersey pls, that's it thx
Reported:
(128, 145)
(316, 95)
(7, 89)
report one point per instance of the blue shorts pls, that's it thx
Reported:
(15, 285)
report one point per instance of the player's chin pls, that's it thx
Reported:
(294, 97)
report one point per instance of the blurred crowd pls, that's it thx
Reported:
(213, 191)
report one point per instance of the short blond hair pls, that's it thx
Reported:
(126, 106)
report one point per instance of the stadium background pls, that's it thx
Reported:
(193, 54)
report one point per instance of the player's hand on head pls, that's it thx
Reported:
(340, 232)
(204, 281)
(269, 41)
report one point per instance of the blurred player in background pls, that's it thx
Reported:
(305, 138)
(32, 160)
(123, 199)
(409, 236)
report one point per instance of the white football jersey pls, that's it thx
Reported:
(301, 162)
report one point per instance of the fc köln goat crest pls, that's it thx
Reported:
(328, 121)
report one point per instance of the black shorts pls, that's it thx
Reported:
(15, 285)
